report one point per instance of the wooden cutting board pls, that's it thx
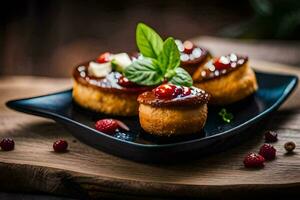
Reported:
(86, 172)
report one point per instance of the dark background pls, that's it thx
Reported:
(49, 37)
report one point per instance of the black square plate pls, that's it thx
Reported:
(140, 146)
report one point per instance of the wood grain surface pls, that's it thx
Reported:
(85, 172)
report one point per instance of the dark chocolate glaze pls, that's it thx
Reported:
(197, 97)
(108, 83)
(209, 71)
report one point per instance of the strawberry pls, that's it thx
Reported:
(108, 126)
(254, 160)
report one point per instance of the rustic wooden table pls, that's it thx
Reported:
(86, 172)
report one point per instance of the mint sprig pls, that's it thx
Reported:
(144, 71)
(160, 61)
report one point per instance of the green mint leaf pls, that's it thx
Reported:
(169, 58)
(181, 77)
(226, 116)
(148, 41)
(144, 71)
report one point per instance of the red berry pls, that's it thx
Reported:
(60, 146)
(186, 91)
(108, 126)
(222, 63)
(103, 58)
(7, 144)
(254, 160)
(165, 91)
(178, 91)
(188, 47)
(124, 82)
(271, 136)
(267, 151)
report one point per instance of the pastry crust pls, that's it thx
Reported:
(231, 87)
(112, 103)
(176, 120)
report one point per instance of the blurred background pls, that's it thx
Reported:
(49, 37)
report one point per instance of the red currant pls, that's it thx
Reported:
(60, 146)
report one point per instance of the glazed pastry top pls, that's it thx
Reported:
(113, 82)
(172, 95)
(220, 66)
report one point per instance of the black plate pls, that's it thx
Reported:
(140, 146)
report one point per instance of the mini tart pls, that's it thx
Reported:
(192, 56)
(105, 95)
(228, 79)
(177, 116)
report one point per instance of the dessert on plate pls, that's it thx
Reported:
(100, 86)
(228, 79)
(173, 110)
(192, 56)
(112, 83)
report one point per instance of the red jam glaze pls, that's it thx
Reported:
(222, 65)
(170, 91)
(110, 83)
(172, 95)
(190, 54)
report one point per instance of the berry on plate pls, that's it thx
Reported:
(110, 126)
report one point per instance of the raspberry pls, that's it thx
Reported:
(108, 126)
(267, 151)
(60, 146)
(270, 136)
(7, 144)
(254, 160)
